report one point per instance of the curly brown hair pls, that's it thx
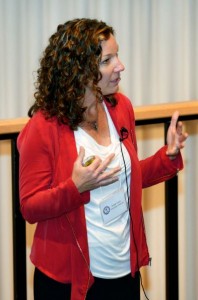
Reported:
(69, 63)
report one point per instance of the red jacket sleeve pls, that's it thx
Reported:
(158, 167)
(40, 198)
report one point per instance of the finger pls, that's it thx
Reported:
(107, 161)
(174, 119)
(95, 163)
(107, 181)
(183, 137)
(110, 175)
(99, 165)
(179, 128)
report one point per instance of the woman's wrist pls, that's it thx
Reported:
(172, 155)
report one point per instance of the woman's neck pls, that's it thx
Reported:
(93, 109)
(96, 124)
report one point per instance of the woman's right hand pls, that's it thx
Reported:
(94, 175)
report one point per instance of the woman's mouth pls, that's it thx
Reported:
(116, 81)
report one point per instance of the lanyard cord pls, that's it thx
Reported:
(128, 198)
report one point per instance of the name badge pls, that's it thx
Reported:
(113, 206)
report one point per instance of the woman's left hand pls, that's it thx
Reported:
(175, 136)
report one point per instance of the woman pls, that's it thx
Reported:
(89, 241)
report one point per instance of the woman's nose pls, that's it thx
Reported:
(119, 67)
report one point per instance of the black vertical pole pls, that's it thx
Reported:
(19, 231)
(171, 228)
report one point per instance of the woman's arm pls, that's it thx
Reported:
(167, 161)
(40, 197)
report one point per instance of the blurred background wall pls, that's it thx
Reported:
(158, 41)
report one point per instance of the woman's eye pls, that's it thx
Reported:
(105, 61)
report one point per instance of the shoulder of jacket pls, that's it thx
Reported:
(121, 96)
(39, 128)
(123, 99)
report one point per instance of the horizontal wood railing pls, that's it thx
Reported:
(142, 113)
(151, 114)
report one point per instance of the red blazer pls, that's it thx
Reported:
(49, 197)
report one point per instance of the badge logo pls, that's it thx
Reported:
(106, 210)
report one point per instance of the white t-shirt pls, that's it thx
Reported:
(109, 241)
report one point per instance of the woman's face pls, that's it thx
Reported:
(110, 67)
